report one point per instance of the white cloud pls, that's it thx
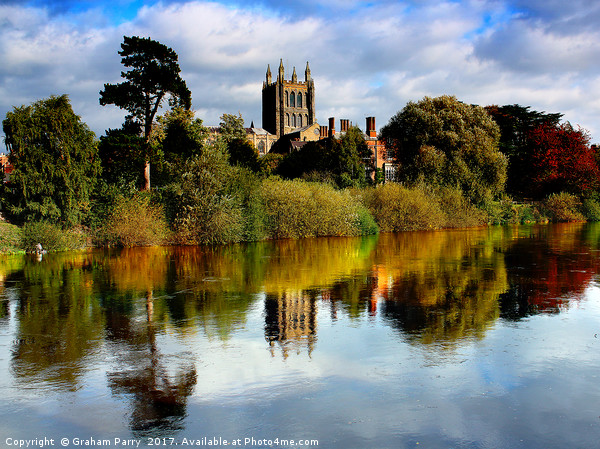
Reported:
(367, 59)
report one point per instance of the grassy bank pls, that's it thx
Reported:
(249, 209)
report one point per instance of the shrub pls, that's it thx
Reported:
(10, 238)
(296, 209)
(563, 207)
(458, 210)
(52, 237)
(398, 208)
(208, 208)
(134, 221)
(591, 209)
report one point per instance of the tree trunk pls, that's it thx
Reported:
(146, 176)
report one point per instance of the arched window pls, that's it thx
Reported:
(306, 119)
(293, 120)
(287, 119)
(299, 99)
(299, 121)
(293, 100)
(287, 99)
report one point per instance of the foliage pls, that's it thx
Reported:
(205, 212)
(231, 128)
(591, 209)
(507, 211)
(516, 123)
(55, 163)
(134, 221)
(177, 137)
(399, 208)
(561, 159)
(154, 75)
(242, 153)
(458, 210)
(269, 163)
(444, 142)
(297, 209)
(563, 207)
(52, 237)
(342, 161)
(122, 152)
(10, 238)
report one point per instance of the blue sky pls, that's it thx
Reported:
(367, 57)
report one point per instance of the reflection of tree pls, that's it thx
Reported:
(548, 268)
(291, 321)
(59, 321)
(435, 286)
(158, 398)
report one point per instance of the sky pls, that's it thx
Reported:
(367, 57)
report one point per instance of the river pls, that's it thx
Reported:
(478, 338)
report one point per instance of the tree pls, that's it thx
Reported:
(561, 160)
(445, 142)
(516, 124)
(55, 160)
(154, 75)
(231, 128)
(177, 137)
(122, 151)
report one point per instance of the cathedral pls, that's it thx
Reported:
(287, 104)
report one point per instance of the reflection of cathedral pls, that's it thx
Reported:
(291, 321)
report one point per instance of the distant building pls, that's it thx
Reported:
(7, 167)
(287, 105)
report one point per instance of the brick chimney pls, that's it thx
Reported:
(371, 131)
(344, 125)
(323, 132)
(331, 126)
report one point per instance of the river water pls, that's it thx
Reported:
(479, 338)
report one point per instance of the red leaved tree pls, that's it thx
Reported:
(562, 160)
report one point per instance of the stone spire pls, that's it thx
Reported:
(281, 70)
(307, 72)
(294, 76)
(269, 79)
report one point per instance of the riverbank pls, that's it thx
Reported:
(290, 209)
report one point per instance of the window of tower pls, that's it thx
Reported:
(306, 119)
(293, 120)
(287, 99)
(293, 100)
(287, 119)
(299, 121)
(299, 99)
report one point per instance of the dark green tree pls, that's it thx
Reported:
(153, 77)
(55, 160)
(445, 142)
(177, 137)
(343, 161)
(122, 152)
(517, 123)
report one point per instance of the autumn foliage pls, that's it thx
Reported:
(562, 160)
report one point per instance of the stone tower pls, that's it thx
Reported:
(287, 105)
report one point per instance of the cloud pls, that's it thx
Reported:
(367, 58)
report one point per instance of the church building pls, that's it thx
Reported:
(287, 105)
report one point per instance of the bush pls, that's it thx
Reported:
(591, 209)
(134, 221)
(458, 210)
(208, 209)
(563, 207)
(52, 237)
(10, 238)
(296, 209)
(398, 208)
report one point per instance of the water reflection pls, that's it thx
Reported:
(157, 388)
(137, 314)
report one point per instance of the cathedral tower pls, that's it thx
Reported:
(287, 105)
